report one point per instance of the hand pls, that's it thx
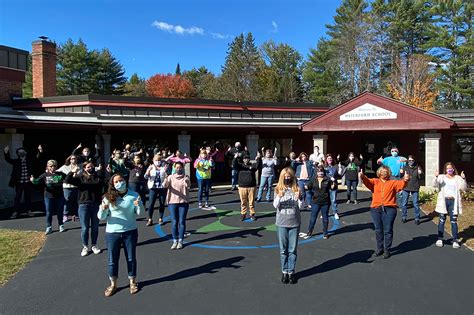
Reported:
(420, 171)
(100, 167)
(79, 146)
(281, 194)
(6, 150)
(406, 177)
(137, 201)
(361, 157)
(245, 148)
(401, 171)
(436, 173)
(262, 149)
(105, 206)
(108, 169)
(236, 155)
(228, 149)
(463, 175)
(185, 154)
(338, 157)
(96, 146)
(40, 148)
(75, 169)
(361, 172)
(32, 178)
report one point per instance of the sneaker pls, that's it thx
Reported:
(85, 251)
(348, 202)
(307, 235)
(252, 217)
(326, 236)
(285, 278)
(439, 243)
(149, 222)
(386, 255)
(456, 245)
(200, 205)
(356, 202)
(206, 205)
(417, 222)
(336, 216)
(30, 214)
(404, 220)
(61, 228)
(65, 218)
(180, 245)
(14, 215)
(243, 217)
(378, 253)
(293, 279)
(175, 244)
(186, 234)
(96, 250)
(49, 230)
(160, 221)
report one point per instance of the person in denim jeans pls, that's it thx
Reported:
(89, 186)
(351, 174)
(203, 166)
(333, 171)
(384, 206)
(120, 207)
(450, 185)
(287, 201)
(156, 174)
(70, 191)
(267, 174)
(178, 203)
(304, 172)
(53, 194)
(413, 188)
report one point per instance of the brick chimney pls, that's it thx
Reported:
(44, 68)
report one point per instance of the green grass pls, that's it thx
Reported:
(17, 249)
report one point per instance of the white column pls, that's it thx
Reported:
(321, 142)
(252, 145)
(432, 145)
(14, 141)
(184, 145)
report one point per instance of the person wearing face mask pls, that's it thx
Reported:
(304, 172)
(316, 157)
(247, 183)
(413, 188)
(320, 187)
(53, 194)
(70, 191)
(384, 206)
(136, 177)
(178, 185)
(90, 187)
(333, 171)
(287, 203)
(203, 166)
(178, 157)
(450, 185)
(120, 207)
(156, 174)
(267, 174)
(22, 169)
(351, 172)
(84, 154)
(395, 162)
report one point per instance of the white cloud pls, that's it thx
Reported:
(274, 27)
(178, 29)
(220, 36)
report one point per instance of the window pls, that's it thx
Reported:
(462, 148)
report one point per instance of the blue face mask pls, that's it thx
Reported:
(180, 171)
(394, 153)
(120, 186)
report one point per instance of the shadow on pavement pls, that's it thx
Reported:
(362, 256)
(353, 228)
(415, 243)
(210, 268)
(239, 233)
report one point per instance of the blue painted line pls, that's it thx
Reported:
(161, 233)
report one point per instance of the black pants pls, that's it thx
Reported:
(20, 189)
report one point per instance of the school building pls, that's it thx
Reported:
(368, 124)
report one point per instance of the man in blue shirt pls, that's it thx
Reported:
(395, 163)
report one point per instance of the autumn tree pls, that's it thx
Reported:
(169, 86)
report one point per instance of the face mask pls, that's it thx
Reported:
(411, 163)
(86, 154)
(287, 181)
(92, 171)
(394, 153)
(180, 171)
(120, 186)
(320, 174)
(156, 163)
(450, 171)
(268, 156)
(246, 161)
(351, 158)
(329, 161)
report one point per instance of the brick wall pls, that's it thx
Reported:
(44, 68)
(8, 89)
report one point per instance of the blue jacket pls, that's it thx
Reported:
(297, 167)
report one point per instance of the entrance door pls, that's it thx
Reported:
(376, 146)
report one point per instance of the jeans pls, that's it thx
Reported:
(114, 242)
(404, 203)
(351, 188)
(333, 197)
(178, 220)
(315, 208)
(156, 193)
(140, 189)
(204, 185)
(452, 217)
(265, 181)
(306, 192)
(70, 201)
(25, 188)
(288, 240)
(235, 177)
(383, 220)
(54, 205)
(88, 217)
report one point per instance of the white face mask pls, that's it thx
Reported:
(120, 186)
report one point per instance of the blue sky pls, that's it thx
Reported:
(150, 37)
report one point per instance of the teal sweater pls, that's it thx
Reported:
(121, 217)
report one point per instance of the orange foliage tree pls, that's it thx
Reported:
(413, 83)
(173, 86)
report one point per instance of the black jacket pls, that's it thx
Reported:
(231, 153)
(352, 169)
(320, 192)
(246, 172)
(15, 175)
(415, 178)
(90, 187)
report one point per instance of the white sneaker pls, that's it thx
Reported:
(85, 251)
(439, 243)
(49, 230)
(14, 215)
(336, 216)
(456, 245)
(61, 228)
(180, 245)
(175, 244)
(186, 234)
(96, 250)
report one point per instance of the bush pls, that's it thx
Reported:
(427, 196)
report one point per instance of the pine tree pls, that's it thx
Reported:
(135, 86)
(27, 88)
(108, 74)
(178, 69)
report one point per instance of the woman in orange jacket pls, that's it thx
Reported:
(384, 206)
